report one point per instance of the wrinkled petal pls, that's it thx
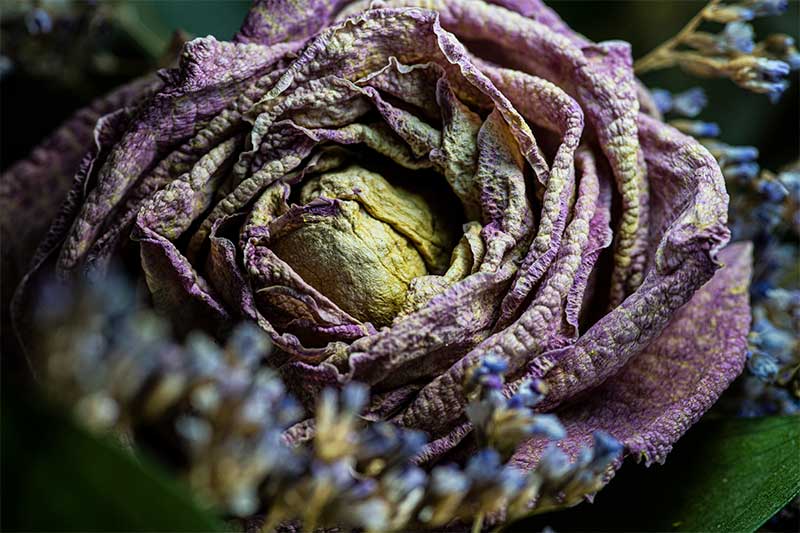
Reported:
(26, 213)
(693, 222)
(108, 129)
(693, 211)
(273, 21)
(675, 379)
(210, 74)
(176, 288)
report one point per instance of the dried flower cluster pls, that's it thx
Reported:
(767, 209)
(760, 67)
(220, 418)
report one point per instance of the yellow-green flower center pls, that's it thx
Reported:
(365, 255)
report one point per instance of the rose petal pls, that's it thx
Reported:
(270, 21)
(674, 380)
(108, 129)
(177, 289)
(210, 75)
(25, 212)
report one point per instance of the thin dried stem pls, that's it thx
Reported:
(477, 525)
(662, 56)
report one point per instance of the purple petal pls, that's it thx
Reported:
(674, 380)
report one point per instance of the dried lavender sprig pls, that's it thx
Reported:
(688, 103)
(504, 423)
(732, 53)
(557, 483)
(228, 414)
(696, 128)
(761, 199)
(122, 371)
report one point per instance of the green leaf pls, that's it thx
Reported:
(220, 18)
(151, 23)
(724, 475)
(58, 477)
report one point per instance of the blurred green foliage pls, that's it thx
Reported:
(220, 18)
(58, 477)
(728, 474)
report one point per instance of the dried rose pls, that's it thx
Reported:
(393, 191)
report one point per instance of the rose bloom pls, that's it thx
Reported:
(393, 191)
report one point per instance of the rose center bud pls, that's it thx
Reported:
(365, 254)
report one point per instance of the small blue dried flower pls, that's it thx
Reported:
(772, 190)
(738, 36)
(38, 21)
(742, 172)
(697, 128)
(768, 8)
(762, 365)
(688, 103)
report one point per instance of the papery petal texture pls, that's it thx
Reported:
(674, 380)
(25, 212)
(394, 190)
